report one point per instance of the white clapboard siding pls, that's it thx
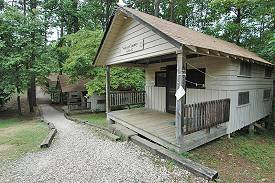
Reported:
(132, 31)
(155, 98)
(222, 81)
(97, 106)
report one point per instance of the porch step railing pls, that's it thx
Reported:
(124, 98)
(79, 106)
(205, 115)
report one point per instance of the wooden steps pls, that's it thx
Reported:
(121, 130)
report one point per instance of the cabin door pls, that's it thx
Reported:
(171, 89)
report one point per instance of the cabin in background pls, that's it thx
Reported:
(75, 96)
(71, 94)
(221, 87)
(51, 84)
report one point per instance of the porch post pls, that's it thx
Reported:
(108, 106)
(181, 80)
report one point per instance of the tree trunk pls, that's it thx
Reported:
(24, 7)
(32, 90)
(108, 12)
(19, 105)
(238, 21)
(75, 20)
(171, 10)
(18, 91)
(156, 12)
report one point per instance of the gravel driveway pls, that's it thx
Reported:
(80, 154)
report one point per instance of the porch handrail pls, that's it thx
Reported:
(205, 115)
(124, 98)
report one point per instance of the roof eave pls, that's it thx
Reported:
(104, 36)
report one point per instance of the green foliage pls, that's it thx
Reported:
(24, 52)
(12, 36)
(80, 49)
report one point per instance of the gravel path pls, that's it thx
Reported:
(80, 154)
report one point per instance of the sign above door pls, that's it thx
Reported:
(131, 46)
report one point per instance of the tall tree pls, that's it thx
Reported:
(156, 8)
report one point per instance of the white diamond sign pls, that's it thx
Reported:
(180, 93)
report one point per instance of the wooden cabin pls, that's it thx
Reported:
(75, 96)
(72, 94)
(51, 84)
(221, 87)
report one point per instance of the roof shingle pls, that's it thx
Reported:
(190, 37)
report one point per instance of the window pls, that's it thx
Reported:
(243, 98)
(195, 78)
(100, 101)
(245, 69)
(267, 94)
(268, 72)
(160, 79)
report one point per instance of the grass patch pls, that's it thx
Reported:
(93, 118)
(244, 158)
(8, 122)
(19, 136)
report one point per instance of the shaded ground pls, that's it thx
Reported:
(19, 136)
(244, 158)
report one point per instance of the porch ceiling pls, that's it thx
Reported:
(158, 59)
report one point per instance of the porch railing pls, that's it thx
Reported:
(204, 115)
(79, 106)
(124, 98)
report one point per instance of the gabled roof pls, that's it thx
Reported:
(66, 86)
(181, 36)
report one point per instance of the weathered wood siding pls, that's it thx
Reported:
(222, 81)
(132, 31)
(98, 103)
(257, 108)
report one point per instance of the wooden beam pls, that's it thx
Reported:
(108, 108)
(132, 65)
(203, 50)
(214, 52)
(181, 81)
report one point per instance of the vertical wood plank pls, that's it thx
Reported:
(181, 75)
(108, 107)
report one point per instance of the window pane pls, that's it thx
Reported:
(101, 101)
(268, 72)
(243, 98)
(245, 69)
(195, 78)
(160, 79)
(267, 94)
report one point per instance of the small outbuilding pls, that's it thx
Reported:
(197, 87)
(51, 84)
(75, 95)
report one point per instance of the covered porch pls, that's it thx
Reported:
(203, 122)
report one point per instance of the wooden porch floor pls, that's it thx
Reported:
(160, 128)
(157, 126)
